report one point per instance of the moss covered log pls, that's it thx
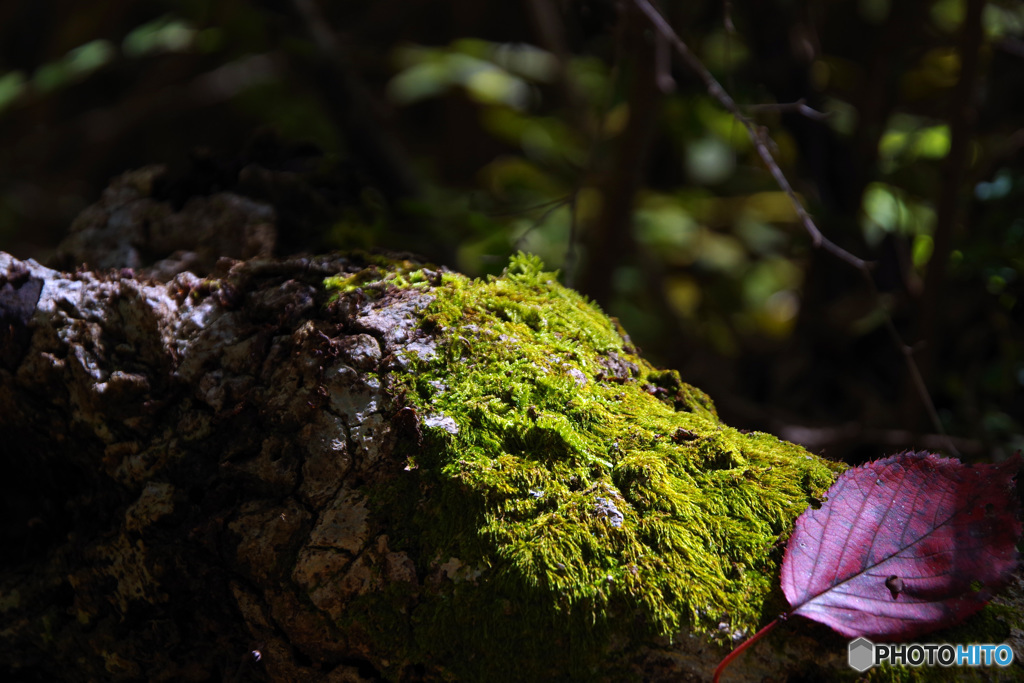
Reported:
(354, 468)
(575, 494)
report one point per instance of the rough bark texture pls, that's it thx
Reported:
(399, 475)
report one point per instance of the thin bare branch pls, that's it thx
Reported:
(663, 64)
(527, 209)
(760, 140)
(569, 267)
(727, 17)
(757, 137)
(800, 107)
(551, 208)
(917, 379)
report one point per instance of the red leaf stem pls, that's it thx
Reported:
(745, 644)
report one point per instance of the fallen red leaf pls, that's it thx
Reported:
(904, 545)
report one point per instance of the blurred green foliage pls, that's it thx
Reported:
(510, 123)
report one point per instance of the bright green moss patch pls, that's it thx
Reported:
(583, 492)
(379, 273)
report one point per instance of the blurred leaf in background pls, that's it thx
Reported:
(467, 131)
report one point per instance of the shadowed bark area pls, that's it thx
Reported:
(213, 479)
(183, 460)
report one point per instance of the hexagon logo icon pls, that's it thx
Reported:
(862, 654)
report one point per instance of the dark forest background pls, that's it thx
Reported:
(465, 131)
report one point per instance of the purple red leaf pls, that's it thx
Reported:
(904, 545)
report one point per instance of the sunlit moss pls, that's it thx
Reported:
(593, 496)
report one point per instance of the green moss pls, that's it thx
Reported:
(379, 273)
(343, 284)
(595, 500)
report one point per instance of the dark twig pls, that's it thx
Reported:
(916, 378)
(527, 209)
(551, 208)
(800, 107)
(663, 64)
(760, 141)
(727, 17)
(569, 266)
(757, 136)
